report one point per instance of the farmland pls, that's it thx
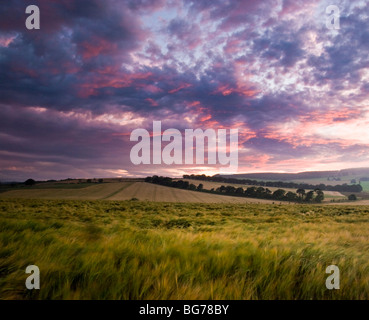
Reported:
(211, 184)
(329, 178)
(317, 181)
(100, 249)
(124, 191)
(344, 179)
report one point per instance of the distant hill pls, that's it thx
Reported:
(362, 172)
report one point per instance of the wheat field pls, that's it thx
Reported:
(150, 250)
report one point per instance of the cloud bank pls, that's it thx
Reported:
(72, 91)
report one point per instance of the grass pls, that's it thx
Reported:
(365, 185)
(145, 250)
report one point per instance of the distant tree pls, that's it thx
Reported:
(309, 196)
(301, 193)
(200, 187)
(291, 196)
(350, 188)
(30, 182)
(230, 189)
(250, 192)
(319, 195)
(101, 180)
(192, 187)
(279, 194)
(260, 192)
(352, 197)
(166, 181)
(239, 190)
(88, 180)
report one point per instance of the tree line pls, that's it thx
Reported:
(278, 184)
(316, 196)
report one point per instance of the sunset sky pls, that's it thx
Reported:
(72, 92)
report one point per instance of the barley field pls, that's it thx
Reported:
(99, 249)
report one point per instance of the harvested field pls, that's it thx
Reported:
(126, 191)
(98, 191)
(153, 192)
(147, 192)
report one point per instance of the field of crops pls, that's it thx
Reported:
(211, 184)
(125, 191)
(150, 250)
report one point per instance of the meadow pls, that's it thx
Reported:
(109, 249)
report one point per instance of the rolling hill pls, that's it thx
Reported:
(304, 176)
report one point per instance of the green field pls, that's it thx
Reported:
(365, 185)
(150, 250)
(316, 181)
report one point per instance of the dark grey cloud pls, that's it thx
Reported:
(210, 62)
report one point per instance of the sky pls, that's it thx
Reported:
(72, 92)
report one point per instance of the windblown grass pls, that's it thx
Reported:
(146, 250)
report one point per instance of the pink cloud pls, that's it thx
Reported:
(182, 86)
(152, 102)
